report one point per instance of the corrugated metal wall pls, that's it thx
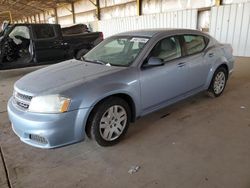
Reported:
(231, 24)
(228, 23)
(158, 6)
(176, 19)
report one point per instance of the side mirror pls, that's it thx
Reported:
(152, 62)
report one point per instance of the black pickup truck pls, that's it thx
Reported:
(23, 45)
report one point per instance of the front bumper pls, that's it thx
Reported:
(48, 130)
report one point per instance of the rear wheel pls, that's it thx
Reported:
(218, 82)
(110, 121)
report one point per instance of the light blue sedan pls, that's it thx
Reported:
(123, 78)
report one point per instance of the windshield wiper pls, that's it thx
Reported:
(99, 62)
(94, 61)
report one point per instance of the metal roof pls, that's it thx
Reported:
(22, 8)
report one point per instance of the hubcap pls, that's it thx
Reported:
(113, 122)
(219, 82)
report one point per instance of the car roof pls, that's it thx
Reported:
(154, 32)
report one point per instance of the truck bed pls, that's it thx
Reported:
(77, 41)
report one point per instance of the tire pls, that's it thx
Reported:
(81, 53)
(218, 82)
(107, 127)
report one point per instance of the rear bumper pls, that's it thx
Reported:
(48, 130)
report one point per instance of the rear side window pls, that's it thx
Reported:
(44, 31)
(194, 44)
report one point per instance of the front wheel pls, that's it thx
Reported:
(110, 121)
(218, 82)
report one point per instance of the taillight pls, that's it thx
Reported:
(101, 35)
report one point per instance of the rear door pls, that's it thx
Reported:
(197, 67)
(48, 43)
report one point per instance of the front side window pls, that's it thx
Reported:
(43, 31)
(194, 44)
(119, 51)
(167, 49)
(18, 33)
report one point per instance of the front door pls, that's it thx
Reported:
(15, 47)
(48, 43)
(160, 84)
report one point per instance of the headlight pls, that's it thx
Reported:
(49, 104)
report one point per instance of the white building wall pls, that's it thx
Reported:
(65, 20)
(231, 24)
(64, 10)
(42, 18)
(158, 6)
(84, 17)
(175, 19)
(85, 11)
(233, 1)
(123, 10)
(49, 16)
(65, 15)
(107, 3)
(228, 23)
(83, 6)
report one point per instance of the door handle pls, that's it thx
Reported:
(211, 54)
(58, 43)
(181, 64)
(64, 43)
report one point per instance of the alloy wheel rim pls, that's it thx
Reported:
(113, 122)
(219, 82)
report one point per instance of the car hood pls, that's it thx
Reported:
(63, 74)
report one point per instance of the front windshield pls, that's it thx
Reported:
(118, 51)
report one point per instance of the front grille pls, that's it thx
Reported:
(38, 138)
(22, 100)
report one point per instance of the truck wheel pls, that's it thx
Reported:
(218, 82)
(110, 121)
(81, 53)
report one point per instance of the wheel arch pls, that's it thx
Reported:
(126, 97)
(224, 65)
(212, 71)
